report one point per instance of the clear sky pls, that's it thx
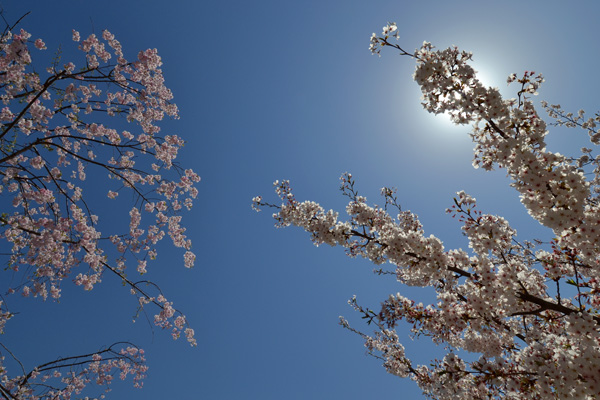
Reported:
(288, 90)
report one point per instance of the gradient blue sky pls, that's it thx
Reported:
(288, 90)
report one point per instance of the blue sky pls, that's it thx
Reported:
(288, 90)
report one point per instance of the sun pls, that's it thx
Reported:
(487, 75)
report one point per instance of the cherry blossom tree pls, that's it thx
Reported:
(55, 134)
(518, 319)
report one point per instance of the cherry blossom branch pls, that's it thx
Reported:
(46, 86)
(498, 292)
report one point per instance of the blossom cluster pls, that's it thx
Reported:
(67, 377)
(519, 320)
(97, 118)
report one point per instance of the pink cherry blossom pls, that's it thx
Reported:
(51, 143)
(510, 325)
